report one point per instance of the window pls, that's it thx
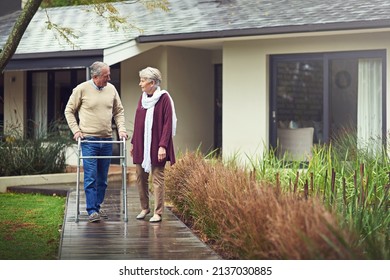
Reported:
(48, 93)
(332, 93)
(218, 108)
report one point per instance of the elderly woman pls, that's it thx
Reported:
(152, 143)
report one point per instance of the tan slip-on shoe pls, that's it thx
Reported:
(155, 219)
(143, 214)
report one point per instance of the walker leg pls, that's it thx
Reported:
(78, 182)
(77, 194)
(124, 193)
(124, 176)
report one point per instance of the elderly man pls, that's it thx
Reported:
(96, 102)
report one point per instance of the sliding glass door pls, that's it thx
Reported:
(332, 93)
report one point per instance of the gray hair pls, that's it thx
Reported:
(152, 74)
(96, 68)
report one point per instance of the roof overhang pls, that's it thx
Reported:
(75, 59)
(54, 60)
(124, 51)
(264, 31)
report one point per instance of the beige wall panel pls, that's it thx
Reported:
(245, 101)
(190, 82)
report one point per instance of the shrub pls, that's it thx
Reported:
(44, 155)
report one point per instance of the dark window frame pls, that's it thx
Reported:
(326, 58)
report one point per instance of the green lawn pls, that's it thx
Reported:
(30, 226)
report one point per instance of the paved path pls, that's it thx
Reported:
(114, 239)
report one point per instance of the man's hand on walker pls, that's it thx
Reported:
(78, 135)
(123, 135)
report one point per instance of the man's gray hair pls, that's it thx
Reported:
(152, 74)
(96, 68)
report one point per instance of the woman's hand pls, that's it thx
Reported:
(162, 153)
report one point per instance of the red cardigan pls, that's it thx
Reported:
(161, 132)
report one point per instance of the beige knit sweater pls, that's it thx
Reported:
(95, 109)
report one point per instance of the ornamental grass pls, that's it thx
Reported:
(243, 217)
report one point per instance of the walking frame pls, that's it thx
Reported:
(123, 159)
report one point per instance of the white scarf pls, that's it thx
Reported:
(148, 104)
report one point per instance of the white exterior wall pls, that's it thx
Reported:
(246, 83)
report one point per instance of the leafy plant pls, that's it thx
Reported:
(41, 155)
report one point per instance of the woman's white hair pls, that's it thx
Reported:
(152, 74)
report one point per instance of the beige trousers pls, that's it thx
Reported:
(158, 187)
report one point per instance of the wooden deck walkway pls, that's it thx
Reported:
(114, 239)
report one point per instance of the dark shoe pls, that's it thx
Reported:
(143, 214)
(94, 217)
(155, 219)
(103, 214)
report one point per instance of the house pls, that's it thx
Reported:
(238, 70)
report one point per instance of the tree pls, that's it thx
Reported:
(17, 32)
(103, 8)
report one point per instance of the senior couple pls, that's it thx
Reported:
(89, 113)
